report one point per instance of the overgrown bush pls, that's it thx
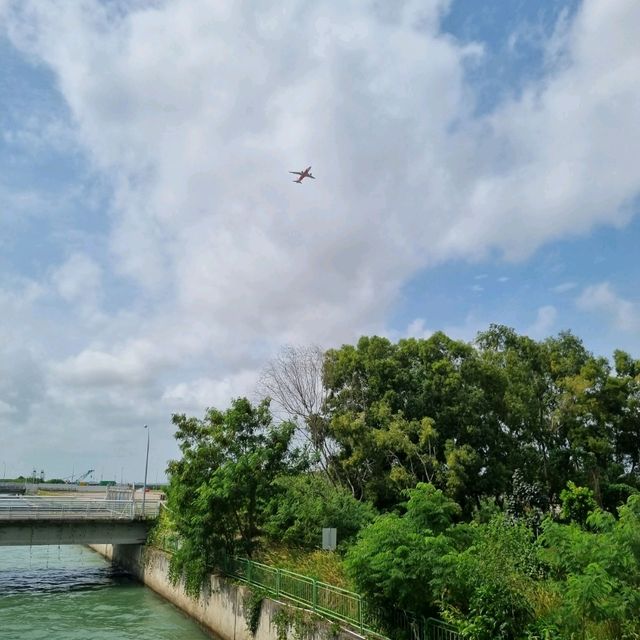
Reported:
(577, 503)
(596, 572)
(396, 560)
(486, 587)
(306, 503)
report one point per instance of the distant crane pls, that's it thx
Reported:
(79, 479)
(85, 475)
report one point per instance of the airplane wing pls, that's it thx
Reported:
(298, 173)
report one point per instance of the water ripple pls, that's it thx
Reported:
(71, 593)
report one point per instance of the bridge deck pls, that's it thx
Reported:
(34, 520)
(71, 509)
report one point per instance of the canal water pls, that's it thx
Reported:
(72, 593)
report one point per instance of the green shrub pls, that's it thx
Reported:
(577, 503)
(596, 572)
(397, 559)
(306, 503)
(487, 587)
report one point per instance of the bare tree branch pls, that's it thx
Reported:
(293, 381)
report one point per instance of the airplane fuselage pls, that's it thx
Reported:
(303, 174)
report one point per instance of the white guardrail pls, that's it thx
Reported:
(45, 508)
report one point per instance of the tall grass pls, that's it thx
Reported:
(325, 566)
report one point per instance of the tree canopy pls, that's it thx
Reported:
(219, 488)
(492, 483)
(466, 417)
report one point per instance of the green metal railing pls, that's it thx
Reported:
(439, 630)
(326, 600)
(332, 602)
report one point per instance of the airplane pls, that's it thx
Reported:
(303, 174)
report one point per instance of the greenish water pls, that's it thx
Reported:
(72, 593)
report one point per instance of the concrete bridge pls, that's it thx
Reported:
(36, 520)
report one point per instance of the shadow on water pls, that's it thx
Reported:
(48, 570)
(55, 580)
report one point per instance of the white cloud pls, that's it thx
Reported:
(132, 364)
(194, 111)
(544, 322)
(563, 287)
(181, 132)
(18, 206)
(543, 176)
(6, 408)
(41, 132)
(417, 329)
(466, 331)
(78, 279)
(208, 392)
(601, 298)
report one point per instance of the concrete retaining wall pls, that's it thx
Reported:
(220, 609)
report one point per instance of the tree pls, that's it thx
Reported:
(219, 488)
(293, 380)
(531, 375)
(623, 397)
(466, 417)
(416, 411)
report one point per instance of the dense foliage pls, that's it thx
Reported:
(306, 503)
(219, 489)
(467, 417)
(493, 484)
(396, 560)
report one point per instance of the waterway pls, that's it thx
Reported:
(72, 593)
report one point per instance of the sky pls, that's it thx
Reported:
(476, 163)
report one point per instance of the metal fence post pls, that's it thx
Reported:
(249, 563)
(278, 574)
(315, 595)
(360, 614)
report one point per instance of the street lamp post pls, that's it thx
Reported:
(146, 466)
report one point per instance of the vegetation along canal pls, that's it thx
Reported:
(72, 593)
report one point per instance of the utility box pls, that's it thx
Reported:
(329, 539)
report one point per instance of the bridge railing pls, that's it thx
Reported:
(41, 507)
(151, 508)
